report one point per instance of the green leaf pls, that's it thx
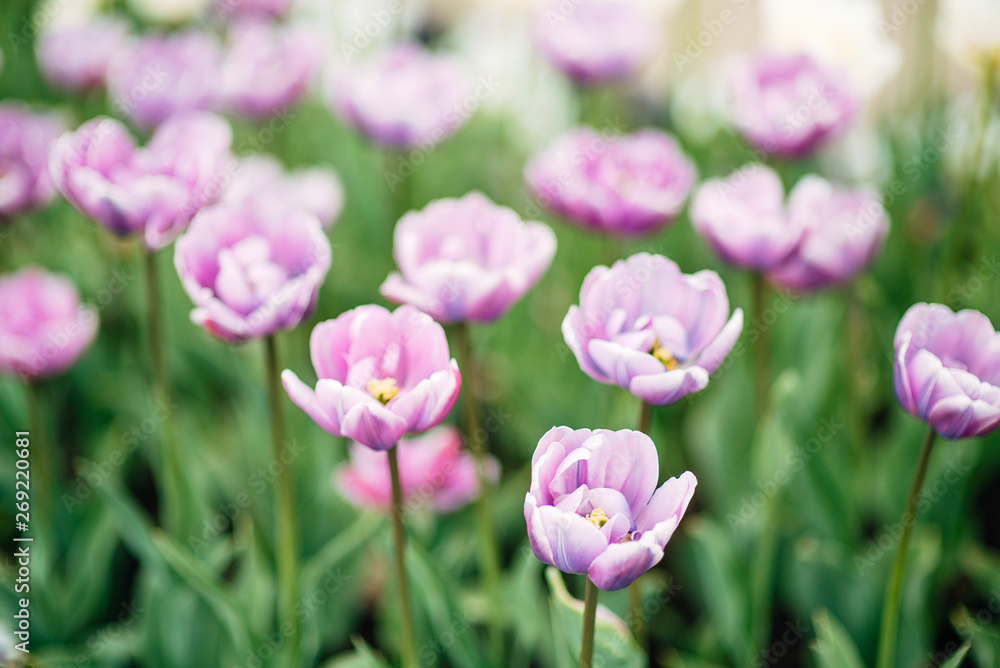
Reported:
(956, 659)
(834, 647)
(614, 645)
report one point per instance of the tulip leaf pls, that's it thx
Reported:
(834, 647)
(614, 645)
(956, 659)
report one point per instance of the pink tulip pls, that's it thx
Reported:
(26, 137)
(630, 185)
(646, 327)
(467, 260)
(434, 470)
(593, 506)
(381, 375)
(76, 57)
(272, 8)
(44, 328)
(153, 191)
(252, 271)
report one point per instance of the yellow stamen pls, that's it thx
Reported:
(384, 390)
(597, 517)
(664, 356)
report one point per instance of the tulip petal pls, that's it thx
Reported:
(621, 564)
(667, 387)
(305, 398)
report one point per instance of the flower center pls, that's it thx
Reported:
(385, 390)
(663, 356)
(597, 517)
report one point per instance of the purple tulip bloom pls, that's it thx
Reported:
(160, 75)
(947, 369)
(844, 231)
(26, 137)
(743, 218)
(263, 181)
(434, 469)
(272, 8)
(633, 184)
(646, 327)
(44, 328)
(467, 260)
(789, 105)
(153, 191)
(593, 506)
(597, 41)
(76, 57)
(266, 67)
(252, 271)
(404, 97)
(381, 375)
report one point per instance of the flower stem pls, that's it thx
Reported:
(406, 630)
(489, 558)
(589, 618)
(42, 482)
(286, 547)
(176, 490)
(762, 351)
(890, 613)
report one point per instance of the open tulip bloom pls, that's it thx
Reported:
(467, 260)
(628, 185)
(593, 506)
(381, 375)
(152, 191)
(647, 327)
(26, 136)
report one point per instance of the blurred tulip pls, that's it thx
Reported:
(154, 190)
(593, 506)
(947, 370)
(632, 184)
(169, 11)
(273, 8)
(844, 229)
(159, 75)
(381, 375)
(44, 328)
(266, 67)
(252, 271)
(597, 41)
(646, 327)
(263, 181)
(788, 105)
(743, 218)
(467, 260)
(404, 97)
(434, 470)
(77, 56)
(969, 30)
(26, 137)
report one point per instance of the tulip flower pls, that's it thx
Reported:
(266, 67)
(271, 8)
(947, 370)
(404, 97)
(743, 218)
(76, 56)
(844, 229)
(153, 191)
(252, 271)
(467, 260)
(597, 41)
(789, 105)
(161, 75)
(631, 185)
(26, 137)
(381, 375)
(44, 328)
(593, 506)
(263, 181)
(645, 326)
(169, 11)
(434, 468)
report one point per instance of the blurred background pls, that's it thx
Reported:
(838, 452)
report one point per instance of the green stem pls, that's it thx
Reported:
(762, 573)
(406, 630)
(890, 613)
(762, 351)
(589, 618)
(175, 488)
(489, 557)
(41, 470)
(286, 533)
